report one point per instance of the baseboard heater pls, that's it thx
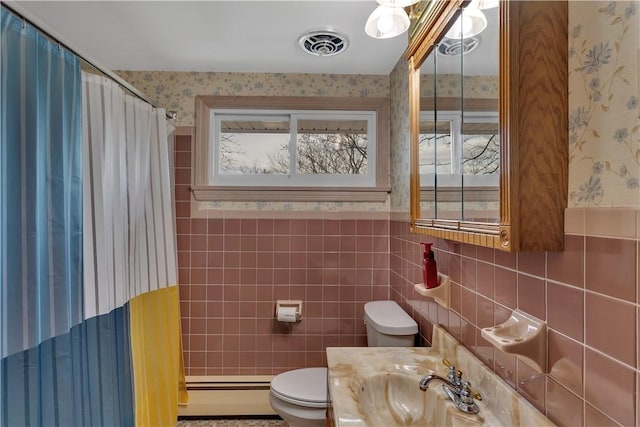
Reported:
(227, 395)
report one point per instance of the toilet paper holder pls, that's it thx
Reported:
(296, 304)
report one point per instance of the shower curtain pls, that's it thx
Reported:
(89, 313)
(129, 242)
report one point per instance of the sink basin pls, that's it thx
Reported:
(379, 387)
(395, 399)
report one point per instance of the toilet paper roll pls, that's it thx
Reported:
(286, 314)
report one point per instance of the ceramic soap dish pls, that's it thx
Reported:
(440, 293)
(522, 335)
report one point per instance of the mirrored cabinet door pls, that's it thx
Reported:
(448, 103)
(427, 140)
(480, 130)
(459, 146)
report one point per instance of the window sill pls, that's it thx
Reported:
(485, 194)
(289, 194)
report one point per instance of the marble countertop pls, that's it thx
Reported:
(359, 373)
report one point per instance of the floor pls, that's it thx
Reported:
(224, 422)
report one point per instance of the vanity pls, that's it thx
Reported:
(379, 386)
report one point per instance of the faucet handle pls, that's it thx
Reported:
(465, 399)
(451, 367)
(467, 392)
(454, 375)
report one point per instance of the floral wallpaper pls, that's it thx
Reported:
(334, 207)
(176, 91)
(449, 85)
(400, 149)
(604, 122)
(604, 135)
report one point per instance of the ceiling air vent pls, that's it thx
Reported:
(323, 43)
(453, 47)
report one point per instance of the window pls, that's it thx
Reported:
(451, 147)
(291, 149)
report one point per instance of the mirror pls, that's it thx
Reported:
(458, 143)
(489, 123)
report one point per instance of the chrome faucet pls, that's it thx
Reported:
(459, 391)
(424, 382)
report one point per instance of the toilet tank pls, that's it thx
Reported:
(388, 325)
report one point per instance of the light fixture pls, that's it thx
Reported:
(385, 22)
(471, 23)
(484, 4)
(399, 3)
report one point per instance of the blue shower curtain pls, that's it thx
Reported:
(56, 368)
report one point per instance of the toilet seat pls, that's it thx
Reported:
(304, 387)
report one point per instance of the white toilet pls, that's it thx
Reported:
(301, 397)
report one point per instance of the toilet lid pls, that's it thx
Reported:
(305, 387)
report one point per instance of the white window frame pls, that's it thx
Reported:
(294, 178)
(376, 190)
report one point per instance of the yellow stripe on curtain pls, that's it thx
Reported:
(158, 364)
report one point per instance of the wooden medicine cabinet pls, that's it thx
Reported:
(489, 149)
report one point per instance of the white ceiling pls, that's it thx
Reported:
(235, 36)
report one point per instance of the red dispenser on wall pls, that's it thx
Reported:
(430, 270)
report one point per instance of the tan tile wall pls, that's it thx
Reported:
(588, 294)
(232, 270)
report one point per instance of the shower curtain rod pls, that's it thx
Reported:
(40, 26)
